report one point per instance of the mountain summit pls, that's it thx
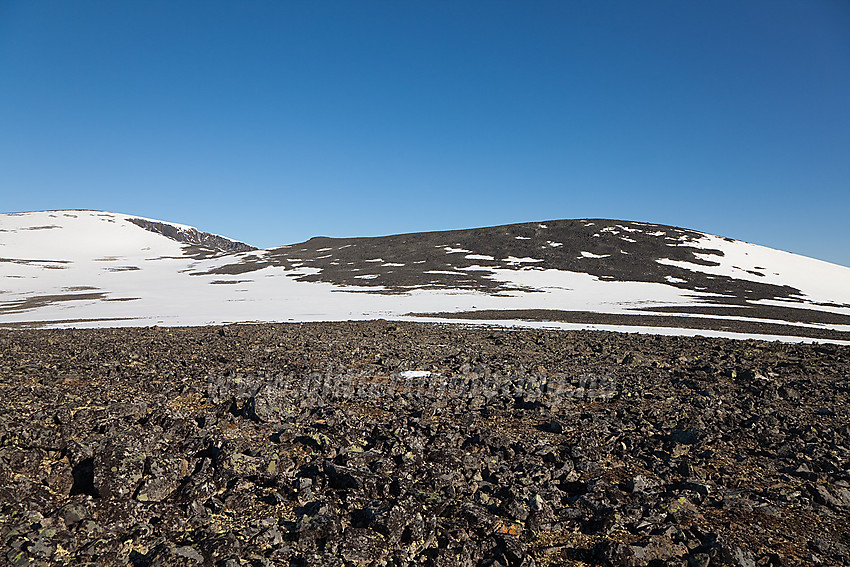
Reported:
(90, 268)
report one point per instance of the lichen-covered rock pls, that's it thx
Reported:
(164, 475)
(306, 445)
(361, 546)
(271, 404)
(118, 466)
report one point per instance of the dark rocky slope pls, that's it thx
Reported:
(194, 237)
(306, 445)
(623, 251)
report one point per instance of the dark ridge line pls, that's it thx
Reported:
(666, 321)
(507, 225)
(193, 236)
(788, 314)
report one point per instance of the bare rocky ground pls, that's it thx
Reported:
(308, 444)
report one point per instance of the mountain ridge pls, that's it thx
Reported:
(91, 268)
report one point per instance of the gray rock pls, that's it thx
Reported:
(640, 483)
(166, 474)
(73, 513)
(271, 404)
(190, 553)
(833, 496)
(362, 545)
(118, 467)
(738, 557)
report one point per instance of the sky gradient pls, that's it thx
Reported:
(271, 122)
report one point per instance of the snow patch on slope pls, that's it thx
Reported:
(818, 281)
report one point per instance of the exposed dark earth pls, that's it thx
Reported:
(623, 251)
(315, 444)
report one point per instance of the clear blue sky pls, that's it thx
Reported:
(272, 122)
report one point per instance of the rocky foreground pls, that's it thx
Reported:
(319, 444)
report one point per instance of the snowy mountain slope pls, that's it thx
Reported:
(55, 263)
(88, 268)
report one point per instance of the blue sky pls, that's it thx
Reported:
(272, 122)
